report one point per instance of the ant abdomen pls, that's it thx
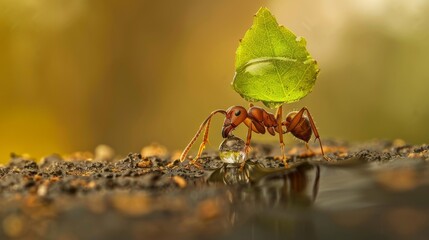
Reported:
(302, 129)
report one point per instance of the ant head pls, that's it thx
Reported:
(234, 116)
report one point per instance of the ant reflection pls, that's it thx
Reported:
(255, 187)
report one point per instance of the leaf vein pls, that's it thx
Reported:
(279, 78)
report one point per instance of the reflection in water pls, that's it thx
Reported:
(354, 198)
(256, 187)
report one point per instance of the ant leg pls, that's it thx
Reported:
(279, 114)
(309, 151)
(298, 118)
(206, 122)
(249, 137)
(203, 143)
(247, 147)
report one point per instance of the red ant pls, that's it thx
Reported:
(259, 121)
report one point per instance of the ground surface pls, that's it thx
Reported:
(371, 190)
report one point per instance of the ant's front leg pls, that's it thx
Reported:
(203, 144)
(247, 148)
(249, 135)
(206, 125)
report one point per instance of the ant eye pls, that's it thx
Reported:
(237, 113)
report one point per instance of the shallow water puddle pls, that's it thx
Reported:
(319, 200)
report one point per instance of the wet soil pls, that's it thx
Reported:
(372, 190)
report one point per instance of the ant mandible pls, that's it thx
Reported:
(259, 121)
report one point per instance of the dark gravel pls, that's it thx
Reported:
(143, 198)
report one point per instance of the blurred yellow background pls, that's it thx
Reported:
(74, 74)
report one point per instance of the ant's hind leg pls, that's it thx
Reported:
(311, 152)
(297, 119)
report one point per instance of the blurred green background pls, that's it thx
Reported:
(74, 74)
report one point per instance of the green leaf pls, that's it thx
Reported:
(272, 64)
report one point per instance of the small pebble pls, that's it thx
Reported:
(104, 153)
(146, 163)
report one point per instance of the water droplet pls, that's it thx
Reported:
(232, 150)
